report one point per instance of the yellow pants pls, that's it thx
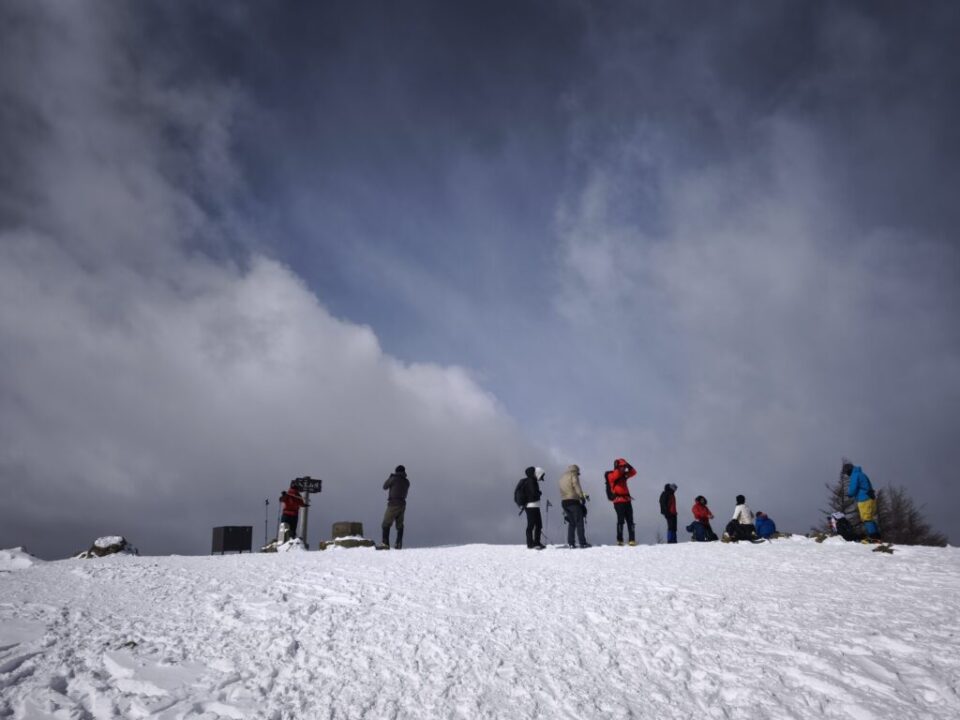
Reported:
(868, 510)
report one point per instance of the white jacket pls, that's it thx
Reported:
(743, 514)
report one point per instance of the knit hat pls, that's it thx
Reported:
(741, 499)
(401, 470)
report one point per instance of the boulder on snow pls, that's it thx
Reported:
(108, 545)
(350, 541)
(347, 529)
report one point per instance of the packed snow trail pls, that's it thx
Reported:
(789, 629)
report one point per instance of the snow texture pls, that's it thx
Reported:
(787, 629)
(16, 559)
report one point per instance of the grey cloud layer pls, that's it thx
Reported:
(719, 241)
(153, 390)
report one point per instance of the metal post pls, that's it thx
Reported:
(304, 513)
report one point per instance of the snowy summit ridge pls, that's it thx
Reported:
(792, 628)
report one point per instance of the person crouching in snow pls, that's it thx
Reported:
(700, 527)
(622, 502)
(842, 527)
(668, 508)
(531, 494)
(398, 486)
(292, 501)
(740, 526)
(861, 489)
(766, 527)
(574, 504)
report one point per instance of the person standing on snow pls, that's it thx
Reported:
(398, 486)
(622, 501)
(668, 508)
(741, 526)
(292, 501)
(861, 489)
(700, 527)
(530, 489)
(574, 504)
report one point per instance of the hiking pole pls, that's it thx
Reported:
(266, 505)
(547, 523)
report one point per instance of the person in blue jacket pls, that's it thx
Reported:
(765, 527)
(859, 487)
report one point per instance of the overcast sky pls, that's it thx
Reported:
(243, 242)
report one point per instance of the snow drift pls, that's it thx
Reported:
(789, 629)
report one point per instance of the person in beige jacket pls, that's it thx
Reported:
(574, 504)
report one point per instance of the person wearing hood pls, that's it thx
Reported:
(860, 488)
(574, 504)
(668, 508)
(397, 485)
(530, 484)
(741, 526)
(619, 494)
(766, 527)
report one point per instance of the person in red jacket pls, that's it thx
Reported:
(622, 502)
(292, 501)
(700, 527)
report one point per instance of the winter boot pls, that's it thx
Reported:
(632, 543)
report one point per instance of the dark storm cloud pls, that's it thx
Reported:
(717, 239)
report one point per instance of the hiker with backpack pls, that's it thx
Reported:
(292, 501)
(397, 485)
(766, 527)
(741, 526)
(668, 508)
(700, 527)
(527, 496)
(574, 504)
(619, 494)
(860, 488)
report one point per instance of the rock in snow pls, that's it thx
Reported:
(789, 629)
(16, 559)
(108, 545)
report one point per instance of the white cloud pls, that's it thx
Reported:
(152, 390)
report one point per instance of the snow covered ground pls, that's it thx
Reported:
(789, 629)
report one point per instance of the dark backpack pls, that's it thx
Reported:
(606, 483)
(520, 493)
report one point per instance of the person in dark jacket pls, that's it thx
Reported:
(622, 501)
(668, 508)
(765, 526)
(398, 486)
(292, 501)
(531, 499)
(843, 527)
